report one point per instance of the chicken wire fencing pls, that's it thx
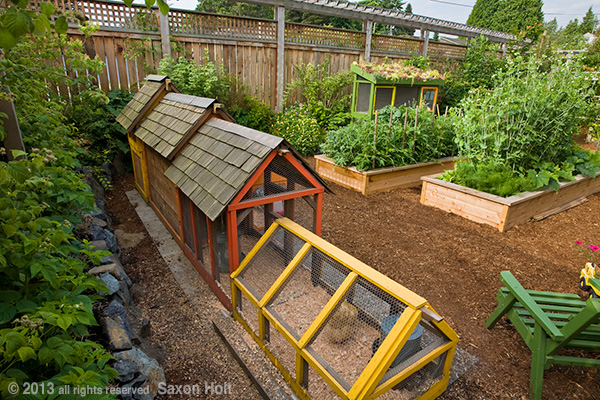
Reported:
(307, 302)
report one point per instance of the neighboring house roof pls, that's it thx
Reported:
(217, 162)
(171, 120)
(140, 100)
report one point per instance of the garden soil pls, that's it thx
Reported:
(452, 262)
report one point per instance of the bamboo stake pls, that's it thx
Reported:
(405, 126)
(390, 132)
(375, 138)
(446, 113)
(415, 135)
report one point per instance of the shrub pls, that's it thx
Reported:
(252, 113)
(360, 146)
(300, 129)
(99, 133)
(325, 95)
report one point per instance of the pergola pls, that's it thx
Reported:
(370, 15)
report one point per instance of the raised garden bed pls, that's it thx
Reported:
(505, 212)
(381, 179)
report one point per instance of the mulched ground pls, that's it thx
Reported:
(452, 262)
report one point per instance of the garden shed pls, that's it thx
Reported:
(215, 185)
(380, 85)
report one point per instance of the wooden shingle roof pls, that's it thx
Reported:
(139, 101)
(217, 162)
(171, 120)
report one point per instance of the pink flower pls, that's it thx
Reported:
(578, 242)
(593, 248)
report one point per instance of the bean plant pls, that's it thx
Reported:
(395, 139)
(524, 127)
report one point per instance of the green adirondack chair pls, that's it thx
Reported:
(548, 323)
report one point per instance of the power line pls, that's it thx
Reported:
(451, 3)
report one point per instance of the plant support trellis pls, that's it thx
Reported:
(335, 327)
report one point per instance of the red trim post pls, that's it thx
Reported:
(275, 197)
(303, 171)
(194, 231)
(234, 261)
(319, 214)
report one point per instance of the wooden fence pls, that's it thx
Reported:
(129, 42)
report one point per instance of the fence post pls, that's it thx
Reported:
(280, 11)
(425, 35)
(163, 22)
(368, 28)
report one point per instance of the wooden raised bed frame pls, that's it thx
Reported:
(381, 179)
(505, 212)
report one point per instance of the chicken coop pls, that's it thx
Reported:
(214, 184)
(377, 86)
(335, 327)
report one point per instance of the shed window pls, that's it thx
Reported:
(428, 97)
(363, 97)
(384, 96)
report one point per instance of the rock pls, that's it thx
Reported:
(123, 293)
(127, 370)
(111, 242)
(147, 366)
(115, 309)
(112, 269)
(96, 233)
(101, 223)
(107, 259)
(119, 164)
(96, 187)
(145, 330)
(99, 245)
(118, 338)
(129, 240)
(100, 204)
(112, 284)
(136, 292)
(99, 213)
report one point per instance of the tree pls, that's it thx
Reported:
(235, 8)
(515, 16)
(589, 22)
(484, 13)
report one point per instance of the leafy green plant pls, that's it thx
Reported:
(325, 94)
(525, 125)
(45, 305)
(395, 140)
(204, 80)
(97, 129)
(252, 113)
(299, 128)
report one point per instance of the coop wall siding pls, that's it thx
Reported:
(163, 194)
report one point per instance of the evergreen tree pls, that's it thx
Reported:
(589, 22)
(515, 16)
(408, 9)
(484, 13)
(409, 31)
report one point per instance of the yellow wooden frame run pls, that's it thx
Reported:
(375, 95)
(138, 149)
(367, 386)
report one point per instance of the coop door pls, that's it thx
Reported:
(140, 170)
(384, 96)
(428, 97)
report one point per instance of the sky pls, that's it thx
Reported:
(459, 10)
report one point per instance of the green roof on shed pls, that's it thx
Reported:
(217, 162)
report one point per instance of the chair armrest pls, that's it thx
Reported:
(530, 305)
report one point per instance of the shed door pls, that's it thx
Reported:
(140, 169)
(384, 96)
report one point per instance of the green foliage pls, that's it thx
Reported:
(510, 16)
(44, 309)
(364, 147)
(526, 125)
(299, 128)
(235, 8)
(252, 113)
(34, 80)
(204, 80)
(99, 133)
(325, 94)
(478, 69)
